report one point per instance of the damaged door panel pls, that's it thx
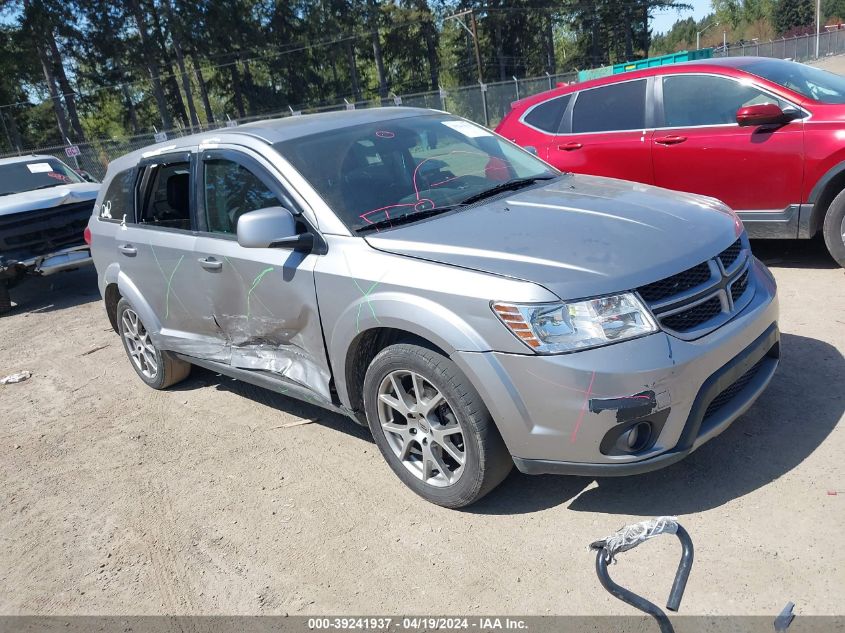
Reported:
(154, 247)
(263, 301)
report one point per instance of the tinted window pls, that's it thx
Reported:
(616, 107)
(39, 173)
(547, 115)
(810, 82)
(119, 200)
(707, 100)
(230, 191)
(167, 202)
(406, 166)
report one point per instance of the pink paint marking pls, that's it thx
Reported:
(589, 391)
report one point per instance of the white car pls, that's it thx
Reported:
(44, 208)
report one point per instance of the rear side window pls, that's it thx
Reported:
(119, 200)
(690, 100)
(610, 108)
(547, 115)
(168, 196)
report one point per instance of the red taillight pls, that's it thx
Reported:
(87, 235)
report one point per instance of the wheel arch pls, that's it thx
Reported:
(822, 194)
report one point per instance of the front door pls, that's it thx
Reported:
(700, 148)
(262, 300)
(605, 133)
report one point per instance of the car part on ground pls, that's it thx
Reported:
(630, 537)
(763, 135)
(416, 272)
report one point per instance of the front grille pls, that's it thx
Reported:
(693, 317)
(676, 284)
(739, 286)
(729, 255)
(696, 301)
(728, 394)
(33, 233)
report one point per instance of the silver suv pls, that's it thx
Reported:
(472, 305)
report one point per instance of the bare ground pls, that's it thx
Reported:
(116, 499)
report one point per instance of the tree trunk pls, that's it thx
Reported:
(236, 86)
(551, 62)
(133, 114)
(374, 34)
(500, 53)
(16, 133)
(206, 104)
(180, 62)
(431, 50)
(150, 63)
(249, 86)
(54, 93)
(67, 91)
(170, 80)
(353, 71)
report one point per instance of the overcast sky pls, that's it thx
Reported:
(663, 20)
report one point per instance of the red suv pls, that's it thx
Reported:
(765, 136)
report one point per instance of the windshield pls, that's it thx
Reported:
(378, 173)
(813, 83)
(38, 173)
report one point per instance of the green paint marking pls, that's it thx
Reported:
(264, 305)
(255, 283)
(366, 295)
(169, 287)
(169, 281)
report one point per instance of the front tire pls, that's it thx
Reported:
(834, 229)
(157, 368)
(432, 427)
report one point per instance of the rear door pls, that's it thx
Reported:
(155, 252)
(605, 132)
(263, 301)
(700, 148)
(539, 125)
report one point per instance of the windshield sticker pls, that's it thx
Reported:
(39, 168)
(105, 210)
(57, 176)
(467, 129)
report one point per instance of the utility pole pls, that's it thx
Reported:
(700, 33)
(472, 29)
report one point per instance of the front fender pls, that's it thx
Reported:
(402, 311)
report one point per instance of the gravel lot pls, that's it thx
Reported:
(118, 499)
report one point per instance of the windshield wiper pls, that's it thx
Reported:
(511, 185)
(403, 219)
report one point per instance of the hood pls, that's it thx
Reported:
(50, 197)
(578, 236)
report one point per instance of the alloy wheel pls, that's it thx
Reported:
(138, 344)
(421, 428)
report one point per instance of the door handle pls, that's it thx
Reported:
(672, 139)
(209, 263)
(570, 147)
(128, 249)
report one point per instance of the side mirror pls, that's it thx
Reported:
(272, 227)
(762, 114)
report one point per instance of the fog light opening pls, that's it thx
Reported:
(635, 438)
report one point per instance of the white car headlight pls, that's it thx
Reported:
(550, 328)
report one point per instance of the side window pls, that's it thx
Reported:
(611, 108)
(546, 116)
(167, 201)
(119, 200)
(690, 100)
(230, 191)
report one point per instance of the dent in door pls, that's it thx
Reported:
(267, 315)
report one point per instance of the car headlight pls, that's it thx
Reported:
(550, 328)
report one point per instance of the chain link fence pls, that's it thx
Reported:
(483, 103)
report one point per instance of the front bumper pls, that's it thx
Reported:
(557, 413)
(49, 264)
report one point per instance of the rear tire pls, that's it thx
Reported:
(834, 229)
(157, 368)
(5, 299)
(432, 427)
